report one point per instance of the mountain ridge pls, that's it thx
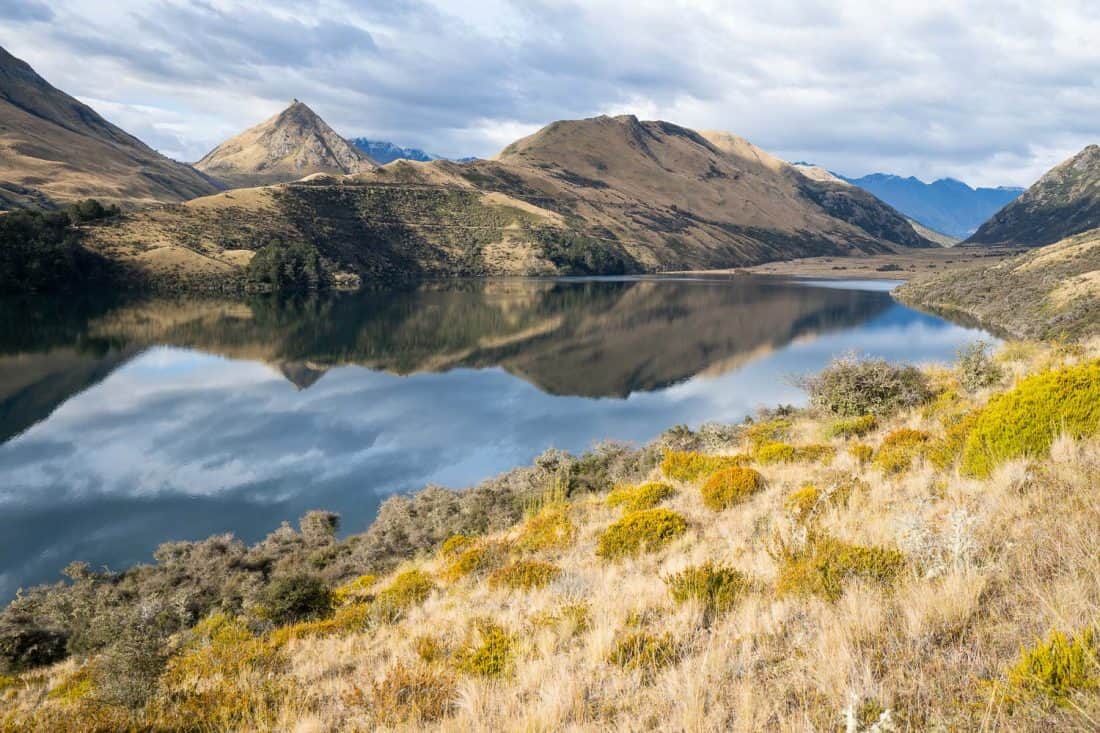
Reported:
(290, 145)
(383, 151)
(55, 149)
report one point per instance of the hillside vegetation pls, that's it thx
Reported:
(596, 196)
(1051, 292)
(883, 560)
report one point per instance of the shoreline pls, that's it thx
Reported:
(902, 266)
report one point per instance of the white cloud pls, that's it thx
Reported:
(989, 92)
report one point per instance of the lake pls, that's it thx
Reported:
(129, 422)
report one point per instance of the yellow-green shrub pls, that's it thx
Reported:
(1025, 420)
(861, 452)
(428, 648)
(643, 652)
(409, 694)
(356, 590)
(642, 531)
(852, 427)
(490, 654)
(822, 564)
(717, 587)
(406, 590)
(769, 431)
(550, 529)
(7, 681)
(645, 496)
(945, 450)
(900, 448)
(690, 466)
(524, 575)
(731, 486)
(1057, 667)
(455, 544)
(478, 558)
(74, 687)
(814, 452)
(770, 453)
(801, 503)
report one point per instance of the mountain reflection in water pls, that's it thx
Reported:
(130, 422)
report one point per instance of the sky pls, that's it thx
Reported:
(992, 93)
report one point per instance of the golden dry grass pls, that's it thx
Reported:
(988, 566)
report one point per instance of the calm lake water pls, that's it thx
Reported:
(128, 423)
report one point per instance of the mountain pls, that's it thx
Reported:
(1064, 202)
(946, 205)
(1047, 293)
(386, 152)
(293, 144)
(55, 150)
(597, 196)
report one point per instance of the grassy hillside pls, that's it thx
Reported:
(914, 552)
(1051, 292)
(605, 195)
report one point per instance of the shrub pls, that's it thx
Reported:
(524, 575)
(861, 452)
(1024, 421)
(731, 486)
(801, 503)
(643, 652)
(900, 448)
(691, 466)
(26, 648)
(490, 655)
(976, 368)
(717, 587)
(768, 431)
(455, 544)
(292, 266)
(7, 681)
(852, 427)
(407, 589)
(642, 531)
(822, 564)
(850, 387)
(1057, 667)
(550, 529)
(770, 453)
(73, 687)
(476, 559)
(296, 598)
(354, 591)
(945, 450)
(410, 694)
(636, 498)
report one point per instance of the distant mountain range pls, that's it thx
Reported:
(386, 152)
(946, 205)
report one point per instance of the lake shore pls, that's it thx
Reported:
(901, 266)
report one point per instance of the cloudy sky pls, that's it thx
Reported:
(990, 92)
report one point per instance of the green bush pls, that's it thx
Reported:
(477, 559)
(524, 575)
(852, 427)
(822, 564)
(976, 368)
(407, 589)
(549, 529)
(641, 531)
(850, 387)
(455, 545)
(1024, 421)
(770, 453)
(861, 452)
(296, 598)
(717, 587)
(768, 431)
(1057, 667)
(293, 266)
(690, 466)
(490, 654)
(644, 652)
(636, 498)
(731, 486)
(900, 448)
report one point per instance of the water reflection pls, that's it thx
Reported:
(129, 423)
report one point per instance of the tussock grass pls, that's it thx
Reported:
(843, 594)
